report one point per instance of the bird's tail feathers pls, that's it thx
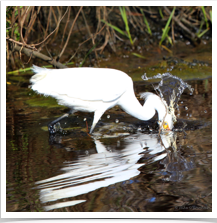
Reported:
(40, 74)
(37, 69)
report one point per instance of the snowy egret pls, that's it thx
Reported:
(97, 90)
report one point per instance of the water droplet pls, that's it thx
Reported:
(108, 116)
(205, 111)
(118, 143)
(186, 114)
(116, 120)
(190, 115)
(181, 102)
(186, 108)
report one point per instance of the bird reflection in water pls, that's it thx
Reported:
(110, 166)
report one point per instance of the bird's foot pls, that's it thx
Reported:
(52, 129)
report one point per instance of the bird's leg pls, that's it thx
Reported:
(51, 128)
(86, 126)
(97, 116)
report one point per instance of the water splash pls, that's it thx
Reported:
(170, 88)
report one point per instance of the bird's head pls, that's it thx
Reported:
(166, 123)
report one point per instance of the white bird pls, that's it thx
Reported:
(97, 90)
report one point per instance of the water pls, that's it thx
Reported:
(170, 88)
(124, 166)
(106, 167)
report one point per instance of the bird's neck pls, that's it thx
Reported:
(132, 106)
(155, 102)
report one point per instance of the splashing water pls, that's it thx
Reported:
(170, 88)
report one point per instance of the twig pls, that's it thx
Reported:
(90, 34)
(31, 23)
(173, 36)
(180, 24)
(107, 34)
(19, 43)
(48, 23)
(22, 22)
(70, 31)
(58, 23)
(30, 53)
(68, 19)
(53, 30)
(82, 44)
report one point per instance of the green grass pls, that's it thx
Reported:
(29, 68)
(127, 29)
(146, 23)
(167, 28)
(82, 63)
(138, 55)
(124, 17)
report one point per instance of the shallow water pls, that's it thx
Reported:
(124, 166)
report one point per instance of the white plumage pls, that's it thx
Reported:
(97, 90)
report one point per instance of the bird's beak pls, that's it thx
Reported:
(166, 126)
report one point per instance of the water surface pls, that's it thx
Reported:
(123, 166)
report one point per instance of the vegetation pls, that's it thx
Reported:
(47, 32)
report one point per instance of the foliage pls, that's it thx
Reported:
(124, 17)
(11, 14)
(35, 28)
(146, 23)
(167, 28)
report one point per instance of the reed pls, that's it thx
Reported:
(124, 17)
(146, 23)
(167, 28)
(205, 18)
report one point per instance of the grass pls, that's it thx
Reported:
(205, 18)
(138, 55)
(167, 28)
(29, 68)
(82, 63)
(200, 34)
(146, 23)
(127, 29)
(124, 17)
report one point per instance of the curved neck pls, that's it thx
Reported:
(129, 103)
(155, 102)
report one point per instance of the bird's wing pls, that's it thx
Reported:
(91, 84)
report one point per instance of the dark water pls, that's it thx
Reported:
(124, 166)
